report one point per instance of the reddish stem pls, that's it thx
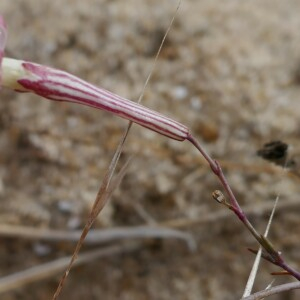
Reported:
(235, 207)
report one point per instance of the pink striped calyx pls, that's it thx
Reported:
(58, 85)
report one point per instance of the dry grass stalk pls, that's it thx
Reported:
(105, 190)
(96, 236)
(50, 269)
(273, 291)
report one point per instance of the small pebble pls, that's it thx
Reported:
(74, 223)
(196, 103)
(41, 249)
(180, 92)
(64, 206)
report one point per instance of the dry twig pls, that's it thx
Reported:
(274, 290)
(48, 270)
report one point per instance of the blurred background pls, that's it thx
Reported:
(229, 70)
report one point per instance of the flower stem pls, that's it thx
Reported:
(275, 256)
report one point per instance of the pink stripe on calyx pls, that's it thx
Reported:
(58, 77)
(62, 86)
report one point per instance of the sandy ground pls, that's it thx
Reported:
(229, 71)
